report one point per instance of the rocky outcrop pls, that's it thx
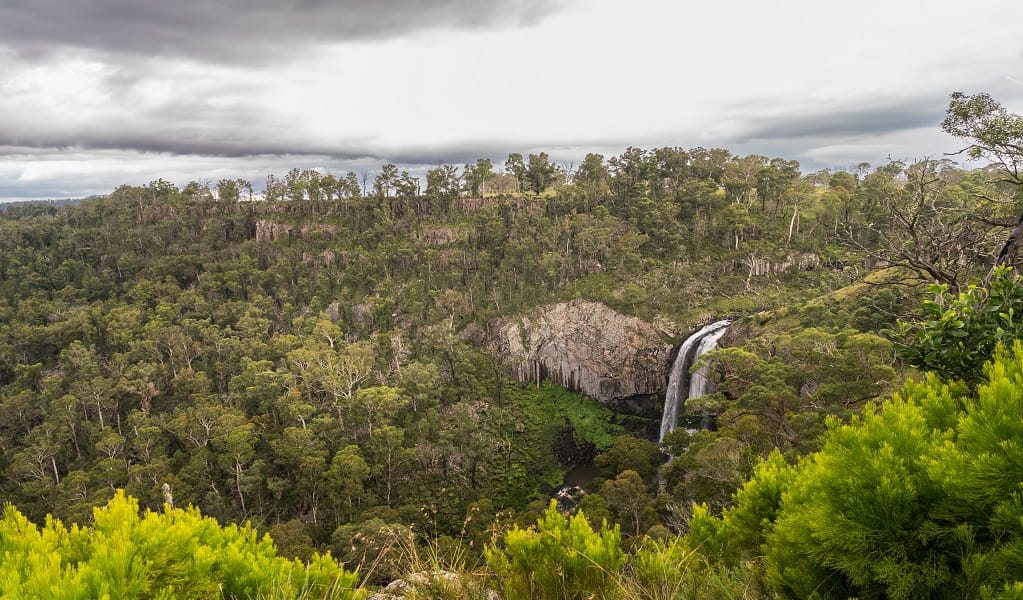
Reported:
(159, 212)
(620, 361)
(268, 231)
(440, 236)
(426, 584)
(800, 261)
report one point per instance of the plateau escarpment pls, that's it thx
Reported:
(620, 361)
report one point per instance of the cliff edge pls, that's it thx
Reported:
(587, 347)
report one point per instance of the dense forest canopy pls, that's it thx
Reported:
(313, 360)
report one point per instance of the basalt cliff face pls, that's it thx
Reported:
(620, 361)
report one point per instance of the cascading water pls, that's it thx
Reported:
(697, 384)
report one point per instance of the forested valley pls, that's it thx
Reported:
(320, 363)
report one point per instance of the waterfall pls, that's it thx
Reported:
(697, 384)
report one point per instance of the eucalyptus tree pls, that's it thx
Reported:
(997, 136)
(540, 173)
(477, 175)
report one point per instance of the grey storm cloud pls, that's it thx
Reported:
(871, 120)
(241, 30)
(183, 145)
(192, 141)
(198, 141)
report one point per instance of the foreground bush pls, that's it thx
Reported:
(920, 499)
(670, 570)
(177, 554)
(560, 558)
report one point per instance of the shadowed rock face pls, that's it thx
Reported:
(620, 361)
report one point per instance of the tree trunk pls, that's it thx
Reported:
(1008, 250)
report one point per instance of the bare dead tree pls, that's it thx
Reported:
(937, 235)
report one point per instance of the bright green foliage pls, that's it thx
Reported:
(671, 570)
(174, 554)
(740, 532)
(960, 332)
(858, 517)
(560, 558)
(921, 499)
(591, 423)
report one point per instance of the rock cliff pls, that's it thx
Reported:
(620, 361)
(268, 231)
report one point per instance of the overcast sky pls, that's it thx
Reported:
(96, 93)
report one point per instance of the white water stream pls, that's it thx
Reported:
(696, 384)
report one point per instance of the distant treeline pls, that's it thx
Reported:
(39, 206)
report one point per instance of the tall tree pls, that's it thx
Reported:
(227, 190)
(516, 166)
(477, 175)
(592, 177)
(386, 181)
(443, 182)
(541, 173)
(997, 136)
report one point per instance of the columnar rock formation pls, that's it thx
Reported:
(620, 361)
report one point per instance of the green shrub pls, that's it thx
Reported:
(670, 570)
(175, 554)
(561, 558)
(960, 332)
(922, 498)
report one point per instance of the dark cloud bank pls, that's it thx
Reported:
(853, 121)
(241, 30)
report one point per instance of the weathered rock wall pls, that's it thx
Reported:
(268, 231)
(800, 261)
(620, 361)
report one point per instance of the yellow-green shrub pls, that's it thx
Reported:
(560, 558)
(176, 554)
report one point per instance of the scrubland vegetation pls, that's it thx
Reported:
(308, 365)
